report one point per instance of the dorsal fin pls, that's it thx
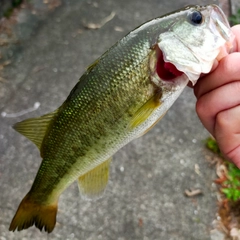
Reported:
(91, 66)
(93, 183)
(35, 128)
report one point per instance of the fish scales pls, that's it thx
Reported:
(99, 108)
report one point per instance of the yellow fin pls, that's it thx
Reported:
(30, 213)
(90, 67)
(35, 128)
(154, 124)
(93, 183)
(145, 111)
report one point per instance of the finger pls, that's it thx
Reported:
(213, 102)
(227, 131)
(236, 42)
(227, 71)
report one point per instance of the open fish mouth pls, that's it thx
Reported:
(166, 70)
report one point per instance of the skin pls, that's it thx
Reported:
(218, 101)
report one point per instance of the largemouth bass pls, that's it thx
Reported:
(120, 97)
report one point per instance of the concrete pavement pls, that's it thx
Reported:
(145, 196)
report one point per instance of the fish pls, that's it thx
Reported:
(120, 97)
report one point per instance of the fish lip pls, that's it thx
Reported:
(220, 26)
(220, 23)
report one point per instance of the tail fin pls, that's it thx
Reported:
(30, 213)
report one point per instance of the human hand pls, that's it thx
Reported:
(218, 102)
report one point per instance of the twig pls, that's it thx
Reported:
(23, 112)
(193, 193)
(102, 23)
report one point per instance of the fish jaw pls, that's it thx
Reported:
(220, 26)
(197, 47)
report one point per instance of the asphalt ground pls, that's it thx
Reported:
(145, 196)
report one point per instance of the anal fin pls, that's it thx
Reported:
(93, 183)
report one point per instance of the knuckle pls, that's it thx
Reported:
(222, 120)
(201, 107)
(236, 87)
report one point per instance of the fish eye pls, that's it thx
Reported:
(196, 18)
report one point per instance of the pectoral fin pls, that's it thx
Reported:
(154, 124)
(93, 183)
(143, 113)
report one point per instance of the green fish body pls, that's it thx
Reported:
(119, 98)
